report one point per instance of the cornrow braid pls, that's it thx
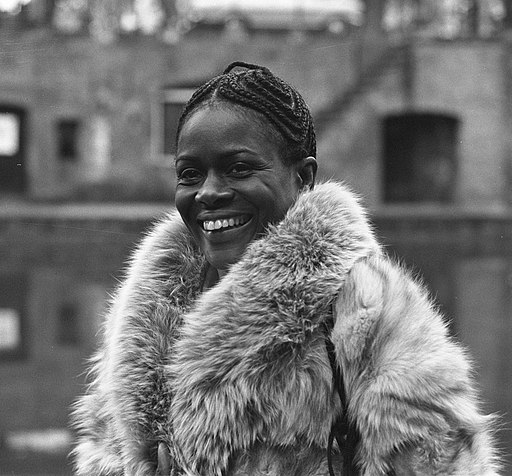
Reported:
(257, 88)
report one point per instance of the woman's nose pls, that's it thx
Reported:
(213, 192)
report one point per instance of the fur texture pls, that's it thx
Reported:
(237, 381)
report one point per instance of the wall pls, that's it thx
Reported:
(467, 79)
(110, 89)
(350, 147)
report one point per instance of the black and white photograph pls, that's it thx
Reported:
(255, 238)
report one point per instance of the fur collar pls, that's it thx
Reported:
(237, 380)
(244, 363)
(250, 365)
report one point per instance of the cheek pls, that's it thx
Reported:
(184, 200)
(179, 202)
(274, 203)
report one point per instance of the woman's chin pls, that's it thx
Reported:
(224, 248)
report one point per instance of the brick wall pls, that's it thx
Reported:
(110, 89)
(467, 79)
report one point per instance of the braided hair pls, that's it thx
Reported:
(258, 89)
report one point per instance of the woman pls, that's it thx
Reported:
(263, 318)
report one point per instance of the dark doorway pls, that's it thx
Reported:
(420, 157)
(12, 149)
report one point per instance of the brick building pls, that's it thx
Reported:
(81, 120)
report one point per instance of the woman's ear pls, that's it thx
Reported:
(306, 169)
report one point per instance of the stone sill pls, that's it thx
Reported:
(442, 212)
(468, 228)
(148, 211)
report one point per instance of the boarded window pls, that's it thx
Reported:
(165, 119)
(171, 116)
(68, 331)
(67, 140)
(420, 157)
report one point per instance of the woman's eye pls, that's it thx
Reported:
(189, 176)
(240, 170)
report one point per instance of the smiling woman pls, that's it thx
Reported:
(241, 158)
(262, 320)
(232, 183)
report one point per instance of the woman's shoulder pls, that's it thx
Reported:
(381, 303)
(166, 262)
(166, 248)
(166, 235)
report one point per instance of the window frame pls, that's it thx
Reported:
(178, 95)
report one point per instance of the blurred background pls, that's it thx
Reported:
(413, 107)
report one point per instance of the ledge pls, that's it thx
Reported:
(78, 211)
(441, 212)
(488, 228)
(147, 211)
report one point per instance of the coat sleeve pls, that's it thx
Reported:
(408, 383)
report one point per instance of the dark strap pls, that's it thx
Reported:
(342, 430)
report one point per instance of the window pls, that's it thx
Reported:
(10, 330)
(13, 141)
(420, 157)
(68, 325)
(9, 134)
(67, 140)
(12, 315)
(166, 113)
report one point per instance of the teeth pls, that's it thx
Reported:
(211, 225)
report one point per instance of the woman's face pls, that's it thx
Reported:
(231, 181)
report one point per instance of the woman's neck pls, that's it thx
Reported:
(212, 277)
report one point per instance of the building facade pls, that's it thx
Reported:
(401, 119)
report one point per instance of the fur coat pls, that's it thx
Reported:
(236, 380)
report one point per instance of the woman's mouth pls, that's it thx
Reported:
(223, 224)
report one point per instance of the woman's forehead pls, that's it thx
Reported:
(232, 118)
